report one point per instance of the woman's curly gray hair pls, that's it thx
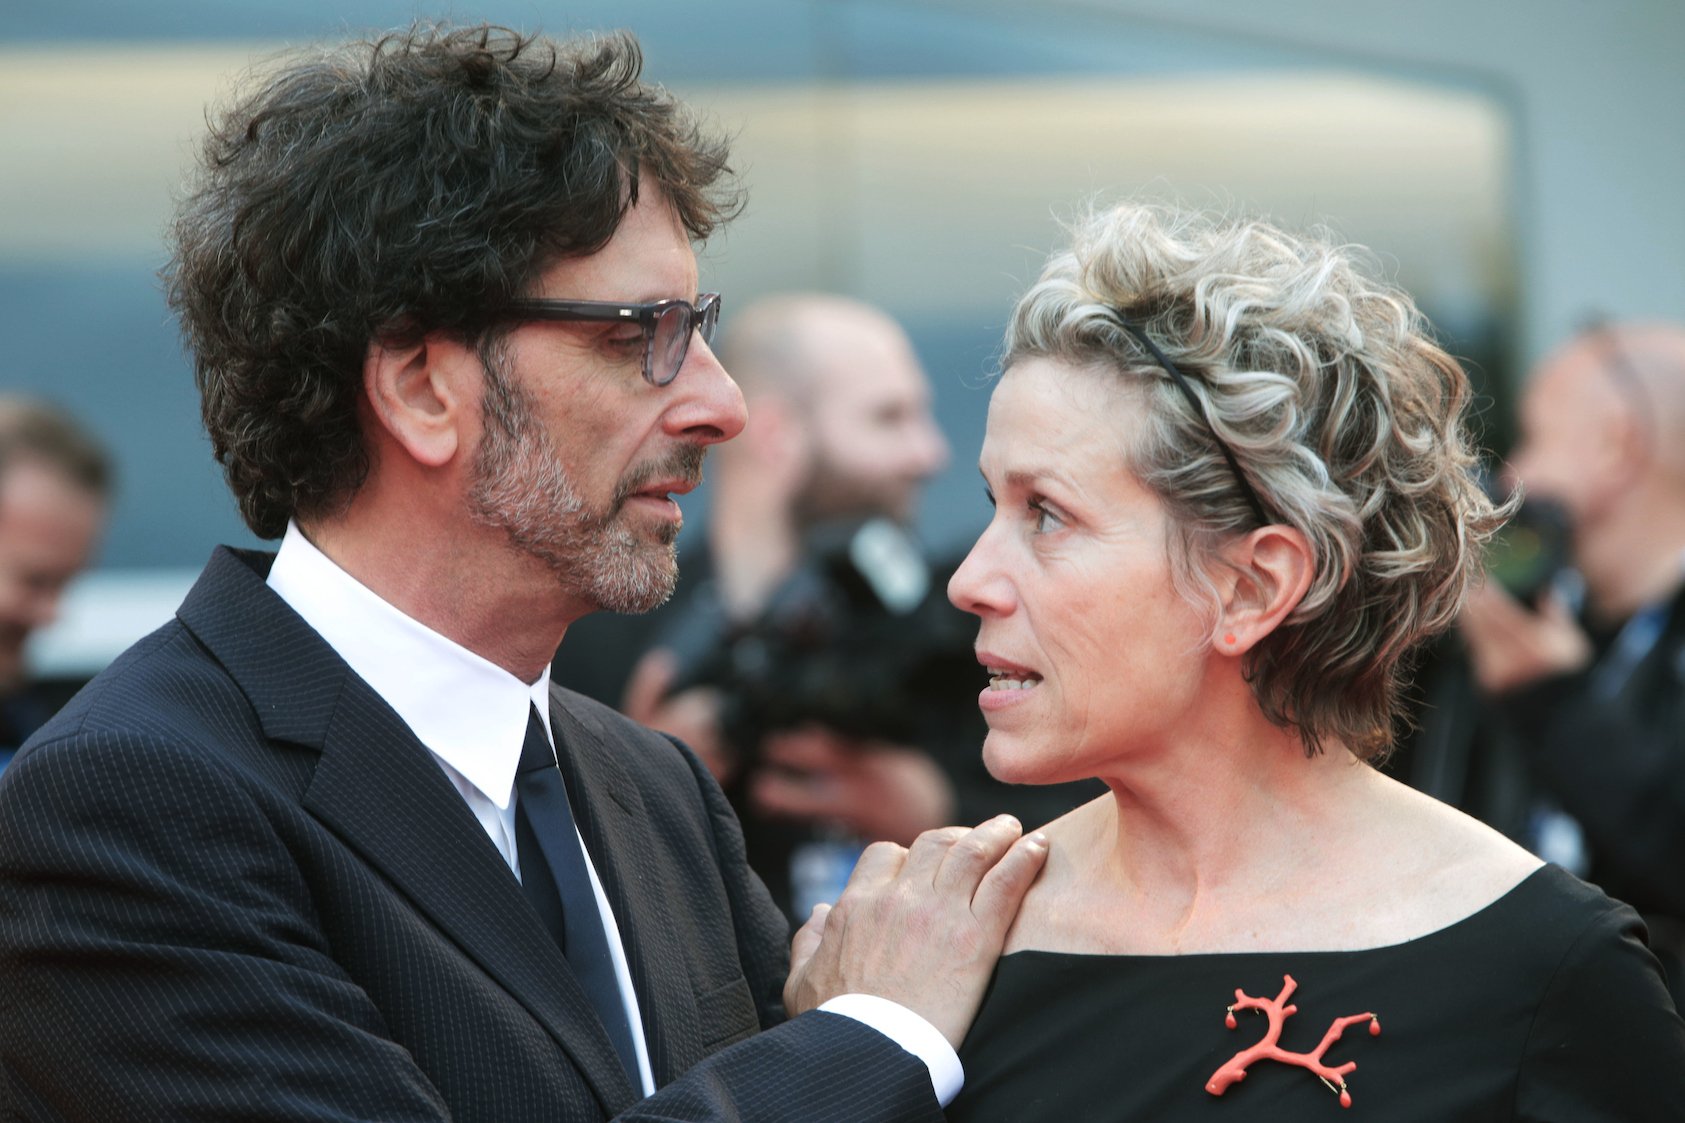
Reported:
(1343, 413)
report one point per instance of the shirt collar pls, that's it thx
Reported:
(468, 711)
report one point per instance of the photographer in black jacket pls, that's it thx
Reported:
(1595, 703)
(809, 653)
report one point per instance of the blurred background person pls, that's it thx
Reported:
(809, 652)
(1591, 698)
(55, 487)
(1233, 490)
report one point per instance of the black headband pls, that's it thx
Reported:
(1181, 382)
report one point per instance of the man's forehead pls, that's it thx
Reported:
(1572, 379)
(38, 493)
(648, 258)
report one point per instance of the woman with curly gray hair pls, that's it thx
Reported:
(1232, 493)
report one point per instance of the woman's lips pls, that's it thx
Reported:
(1009, 683)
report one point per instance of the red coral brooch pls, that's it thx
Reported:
(1268, 1049)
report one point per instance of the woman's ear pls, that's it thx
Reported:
(1270, 569)
(417, 394)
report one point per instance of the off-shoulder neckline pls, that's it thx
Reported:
(1500, 903)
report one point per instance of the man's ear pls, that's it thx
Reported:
(1269, 571)
(422, 394)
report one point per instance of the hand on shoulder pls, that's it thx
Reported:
(921, 926)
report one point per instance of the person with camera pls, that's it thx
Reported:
(1594, 700)
(808, 653)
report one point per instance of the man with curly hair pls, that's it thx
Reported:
(328, 845)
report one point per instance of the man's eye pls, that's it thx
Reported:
(624, 340)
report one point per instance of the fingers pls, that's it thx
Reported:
(1554, 607)
(973, 855)
(807, 938)
(786, 796)
(878, 792)
(921, 927)
(1490, 611)
(925, 856)
(805, 750)
(648, 685)
(798, 997)
(879, 864)
(805, 778)
(1002, 890)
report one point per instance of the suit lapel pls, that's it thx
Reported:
(615, 825)
(382, 792)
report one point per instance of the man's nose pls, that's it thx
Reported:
(712, 408)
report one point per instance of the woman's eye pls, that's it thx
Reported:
(1045, 520)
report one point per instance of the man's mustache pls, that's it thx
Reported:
(684, 463)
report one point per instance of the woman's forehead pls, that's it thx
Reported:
(1043, 409)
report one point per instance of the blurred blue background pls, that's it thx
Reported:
(1516, 163)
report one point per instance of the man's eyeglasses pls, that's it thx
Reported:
(667, 325)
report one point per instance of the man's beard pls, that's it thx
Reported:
(521, 488)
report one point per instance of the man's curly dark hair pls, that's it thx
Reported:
(391, 188)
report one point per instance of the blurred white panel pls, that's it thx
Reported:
(938, 197)
(102, 613)
(95, 140)
(930, 197)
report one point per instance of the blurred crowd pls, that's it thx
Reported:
(1556, 712)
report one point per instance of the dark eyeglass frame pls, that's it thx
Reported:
(1181, 382)
(703, 316)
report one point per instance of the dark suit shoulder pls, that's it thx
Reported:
(638, 746)
(165, 698)
(91, 701)
(602, 719)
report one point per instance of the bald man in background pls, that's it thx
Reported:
(1596, 699)
(840, 431)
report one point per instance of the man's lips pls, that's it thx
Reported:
(662, 491)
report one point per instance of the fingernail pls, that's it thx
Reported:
(1006, 820)
(1037, 839)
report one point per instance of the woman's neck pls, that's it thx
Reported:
(1223, 814)
(1215, 829)
(1239, 843)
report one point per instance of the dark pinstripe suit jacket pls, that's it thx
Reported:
(234, 886)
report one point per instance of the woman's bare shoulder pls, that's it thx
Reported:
(1400, 866)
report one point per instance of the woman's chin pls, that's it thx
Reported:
(1012, 759)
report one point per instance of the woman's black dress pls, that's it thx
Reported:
(1545, 1005)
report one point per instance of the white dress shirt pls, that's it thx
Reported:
(472, 716)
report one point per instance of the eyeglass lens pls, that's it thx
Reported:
(671, 339)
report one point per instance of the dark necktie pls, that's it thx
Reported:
(554, 877)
